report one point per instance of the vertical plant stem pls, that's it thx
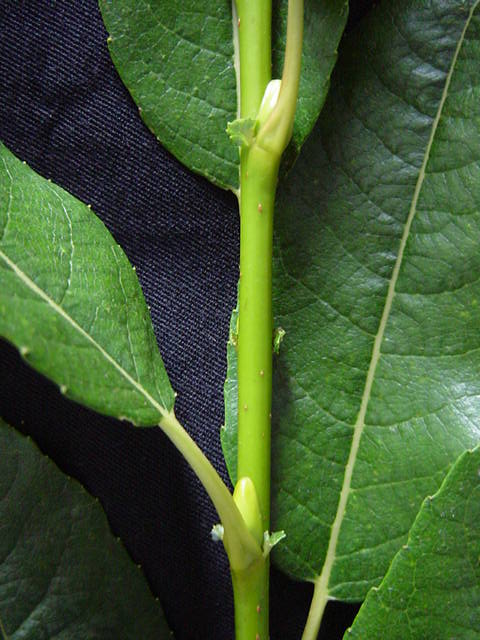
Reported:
(257, 187)
(255, 326)
(254, 29)
(250, 589)
(258, 183)
(259, 164)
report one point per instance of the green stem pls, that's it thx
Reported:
(255, 328)
(254, 20)
(257, 187)
(250, 591)
(259, 166)
(258, 177)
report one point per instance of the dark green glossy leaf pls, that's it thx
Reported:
(377, 284)
(63, 574)
(71, 302)
(432, 589)
(177, 60)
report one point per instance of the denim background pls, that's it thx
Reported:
(64, 110)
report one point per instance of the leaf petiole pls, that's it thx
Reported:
(241, 547)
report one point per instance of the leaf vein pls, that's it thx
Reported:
(402, 536)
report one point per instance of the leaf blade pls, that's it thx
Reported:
(72, 303)
(62, 571)
(439, 564)
(337, 255)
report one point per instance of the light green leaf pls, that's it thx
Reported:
(432, 589)
(71, 302)
(177, 60)
(63, 575)
(377, 284)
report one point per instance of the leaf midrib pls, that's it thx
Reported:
(322, 581)
(28, 282)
